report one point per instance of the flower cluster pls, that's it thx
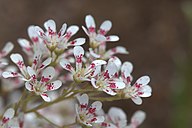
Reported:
(58, 70)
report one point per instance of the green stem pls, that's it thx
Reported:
(69, 125)
(21, 100)
(41, 116)
(29, 97)
(105, 98)
(47, 104)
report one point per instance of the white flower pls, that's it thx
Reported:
(87, 115)
(11, 83)
(107, 80)
(18, 60)
(60, 39)
(101, 52)
(45, 84)
(36, 43)
(115, 118)
(7, 116)
(37, 65)
(136, 120)
(81, 73)
(9, 121)
(4, 52)
(139, 89)
(96, 38)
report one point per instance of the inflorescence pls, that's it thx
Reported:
(58, 78)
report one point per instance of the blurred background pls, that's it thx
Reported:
(157, 33)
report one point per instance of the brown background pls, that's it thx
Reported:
(155, 33)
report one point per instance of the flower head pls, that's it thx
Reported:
(139, 89)
(87, 115)
(36, 44)
(37, 65)
(44, 85)
(115, 118)
(96, 38)
(137, 119)
(107, 80)
(81, 73)
(59, 40)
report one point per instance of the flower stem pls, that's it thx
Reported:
(47, 104)
(41, 116)
(105, 98)
(69, 125)
(21, 100)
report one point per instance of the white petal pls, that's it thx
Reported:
(144, 80)
(95, 67)
(137, 100)
(90, 22)
(138, 118)
(13, 123)
(36, 58)
(8, 74)
(28, 86)
(105, 27)
(16, 58)
(31, 72)
(83, 99)
(32, 33)
(116, 84)
(127, 68)
(117, 61)
(97, 70)
(112, 38)
(66, 65)
(50, 25)
(109, 91)
(85, 30)
(121, 50)
(39, 31)
(116, 50)
(9, 114)
(54, 85)
(99, 119)
(110, 70)
(93, 53)
(48, 74)
(25, 44)
(45, 97)
(78, 53)
(100, 38)
(93, 82)
(45, 63)
(97, 105)
(117, 114)
(62, 30)
(72, 30)
(7, 48)
(98, 63)
(78, 41)
(146, 91)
